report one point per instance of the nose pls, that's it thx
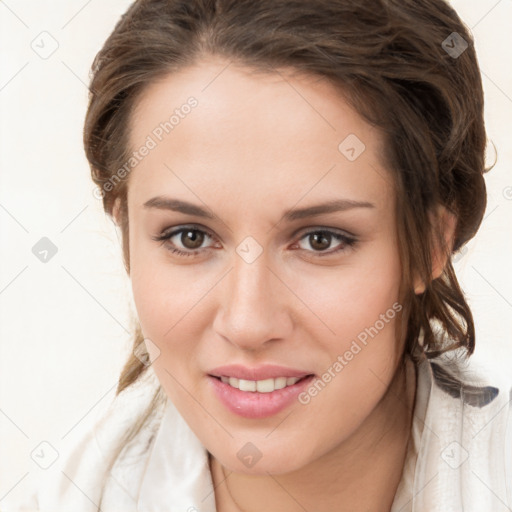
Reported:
(254, 305)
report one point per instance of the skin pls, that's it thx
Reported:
(255, 146)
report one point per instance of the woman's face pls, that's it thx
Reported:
(269, 274)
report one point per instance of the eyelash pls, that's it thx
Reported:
(349, 242)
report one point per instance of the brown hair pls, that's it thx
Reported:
(389, 58)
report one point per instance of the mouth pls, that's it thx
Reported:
(258, 399)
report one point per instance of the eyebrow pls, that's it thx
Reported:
(337, 205)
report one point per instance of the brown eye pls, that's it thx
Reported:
(321, 240)
(185, 241)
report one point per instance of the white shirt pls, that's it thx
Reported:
(459, 456)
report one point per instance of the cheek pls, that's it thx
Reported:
(163, 306)
(165, 309)
(170, 311)
(161, 292)
(361, 312)
(353, 298)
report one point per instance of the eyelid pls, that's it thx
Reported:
(315, 229)
(172, 231)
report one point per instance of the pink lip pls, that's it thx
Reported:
(267, 371)
(254, 405)
(251, 404)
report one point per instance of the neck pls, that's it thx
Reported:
(361, 473)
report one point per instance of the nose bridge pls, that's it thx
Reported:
(250, 312)
(250, 282)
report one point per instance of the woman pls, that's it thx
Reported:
(291, 180)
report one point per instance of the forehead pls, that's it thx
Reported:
(272, 134)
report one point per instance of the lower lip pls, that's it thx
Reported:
(250, 404)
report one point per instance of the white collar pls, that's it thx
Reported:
(177, 476)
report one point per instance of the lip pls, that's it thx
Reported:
(267, 371)
(255, 405)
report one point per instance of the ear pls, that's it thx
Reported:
(447, 222)
(116, 211)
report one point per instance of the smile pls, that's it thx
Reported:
(256, 399)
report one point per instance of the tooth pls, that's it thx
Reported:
(246, 385)
(261, 386)
(280, 383)
(265, 386)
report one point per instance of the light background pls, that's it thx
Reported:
(64, 325)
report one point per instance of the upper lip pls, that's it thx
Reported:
(267, 371)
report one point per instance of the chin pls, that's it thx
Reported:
(261, 464)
